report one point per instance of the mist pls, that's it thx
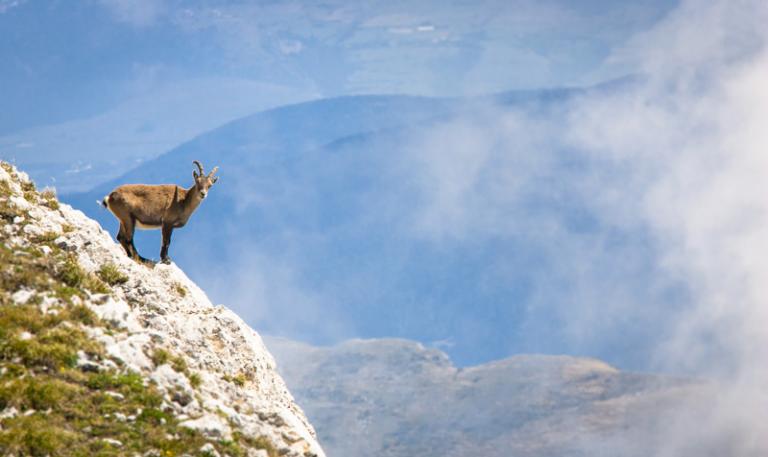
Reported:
(640, 209)
(677, 158)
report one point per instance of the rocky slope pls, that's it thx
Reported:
(102, 356)
(389, 398)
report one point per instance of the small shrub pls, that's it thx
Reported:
(111, 275)
(70, 273)
(35, 436)
(96, 285)
(37, 352)
(179, 364)
(153, 416)
(238, 379)
(195, 380)
(49, 198)
(180, 289)
(82, 314)
(46, 237)
(160, 356)
(126, 382)
(28, 186)
(262, 442)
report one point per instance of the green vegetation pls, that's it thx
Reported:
(48, 196)
(160, 356)
(180, 289)
(72, 275)
(111, 275)
(179, 364)
(46, 238)
(64, 408)
(261, 442)
(195, 380)
(239, 379)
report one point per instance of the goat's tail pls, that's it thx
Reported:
(104, 202)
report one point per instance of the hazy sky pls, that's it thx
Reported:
(66, 60)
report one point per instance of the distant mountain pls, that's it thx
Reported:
(341, 210)
(396, 398)
(77, 155)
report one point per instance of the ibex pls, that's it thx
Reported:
(165, 206)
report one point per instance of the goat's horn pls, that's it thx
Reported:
(200, 167)
(213, 172)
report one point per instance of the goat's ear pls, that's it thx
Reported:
(195, 175)
(215, 178)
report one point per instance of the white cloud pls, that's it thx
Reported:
(289, 47)
(7, 5)
(680, 155)
(140, 13)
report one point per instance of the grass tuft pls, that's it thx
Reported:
(49, 198)
(71, 274)
(195, 380)
(160, 356)
(180, 289)
(111, 275)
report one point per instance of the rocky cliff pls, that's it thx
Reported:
(102, 356)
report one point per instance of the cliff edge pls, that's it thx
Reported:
(101, 355)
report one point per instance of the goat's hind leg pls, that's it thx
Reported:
(123, 239)
(125, 236)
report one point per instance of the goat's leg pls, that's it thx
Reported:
(167, 231)
(130, 228)
(122, 237)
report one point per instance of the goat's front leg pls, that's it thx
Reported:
(167, 230)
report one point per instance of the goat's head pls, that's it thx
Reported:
(204, 182)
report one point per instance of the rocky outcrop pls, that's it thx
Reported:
(213, 372)
(397, 398)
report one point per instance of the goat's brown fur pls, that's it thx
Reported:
(164, 206)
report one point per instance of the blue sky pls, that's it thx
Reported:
(68, 60)
(101, 85)
(94, 88)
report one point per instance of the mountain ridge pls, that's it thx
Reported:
(402, 399)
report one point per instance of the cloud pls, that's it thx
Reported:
(7, 5)
(264, 287)
(678, 161)
(140, 13)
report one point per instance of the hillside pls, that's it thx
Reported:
(102, 356)
(396, 398)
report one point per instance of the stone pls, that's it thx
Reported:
(21, 297)
(208, 450)
(209, 425)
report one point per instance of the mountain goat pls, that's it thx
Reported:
(165, 206)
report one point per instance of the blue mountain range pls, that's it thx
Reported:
(308, 233)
